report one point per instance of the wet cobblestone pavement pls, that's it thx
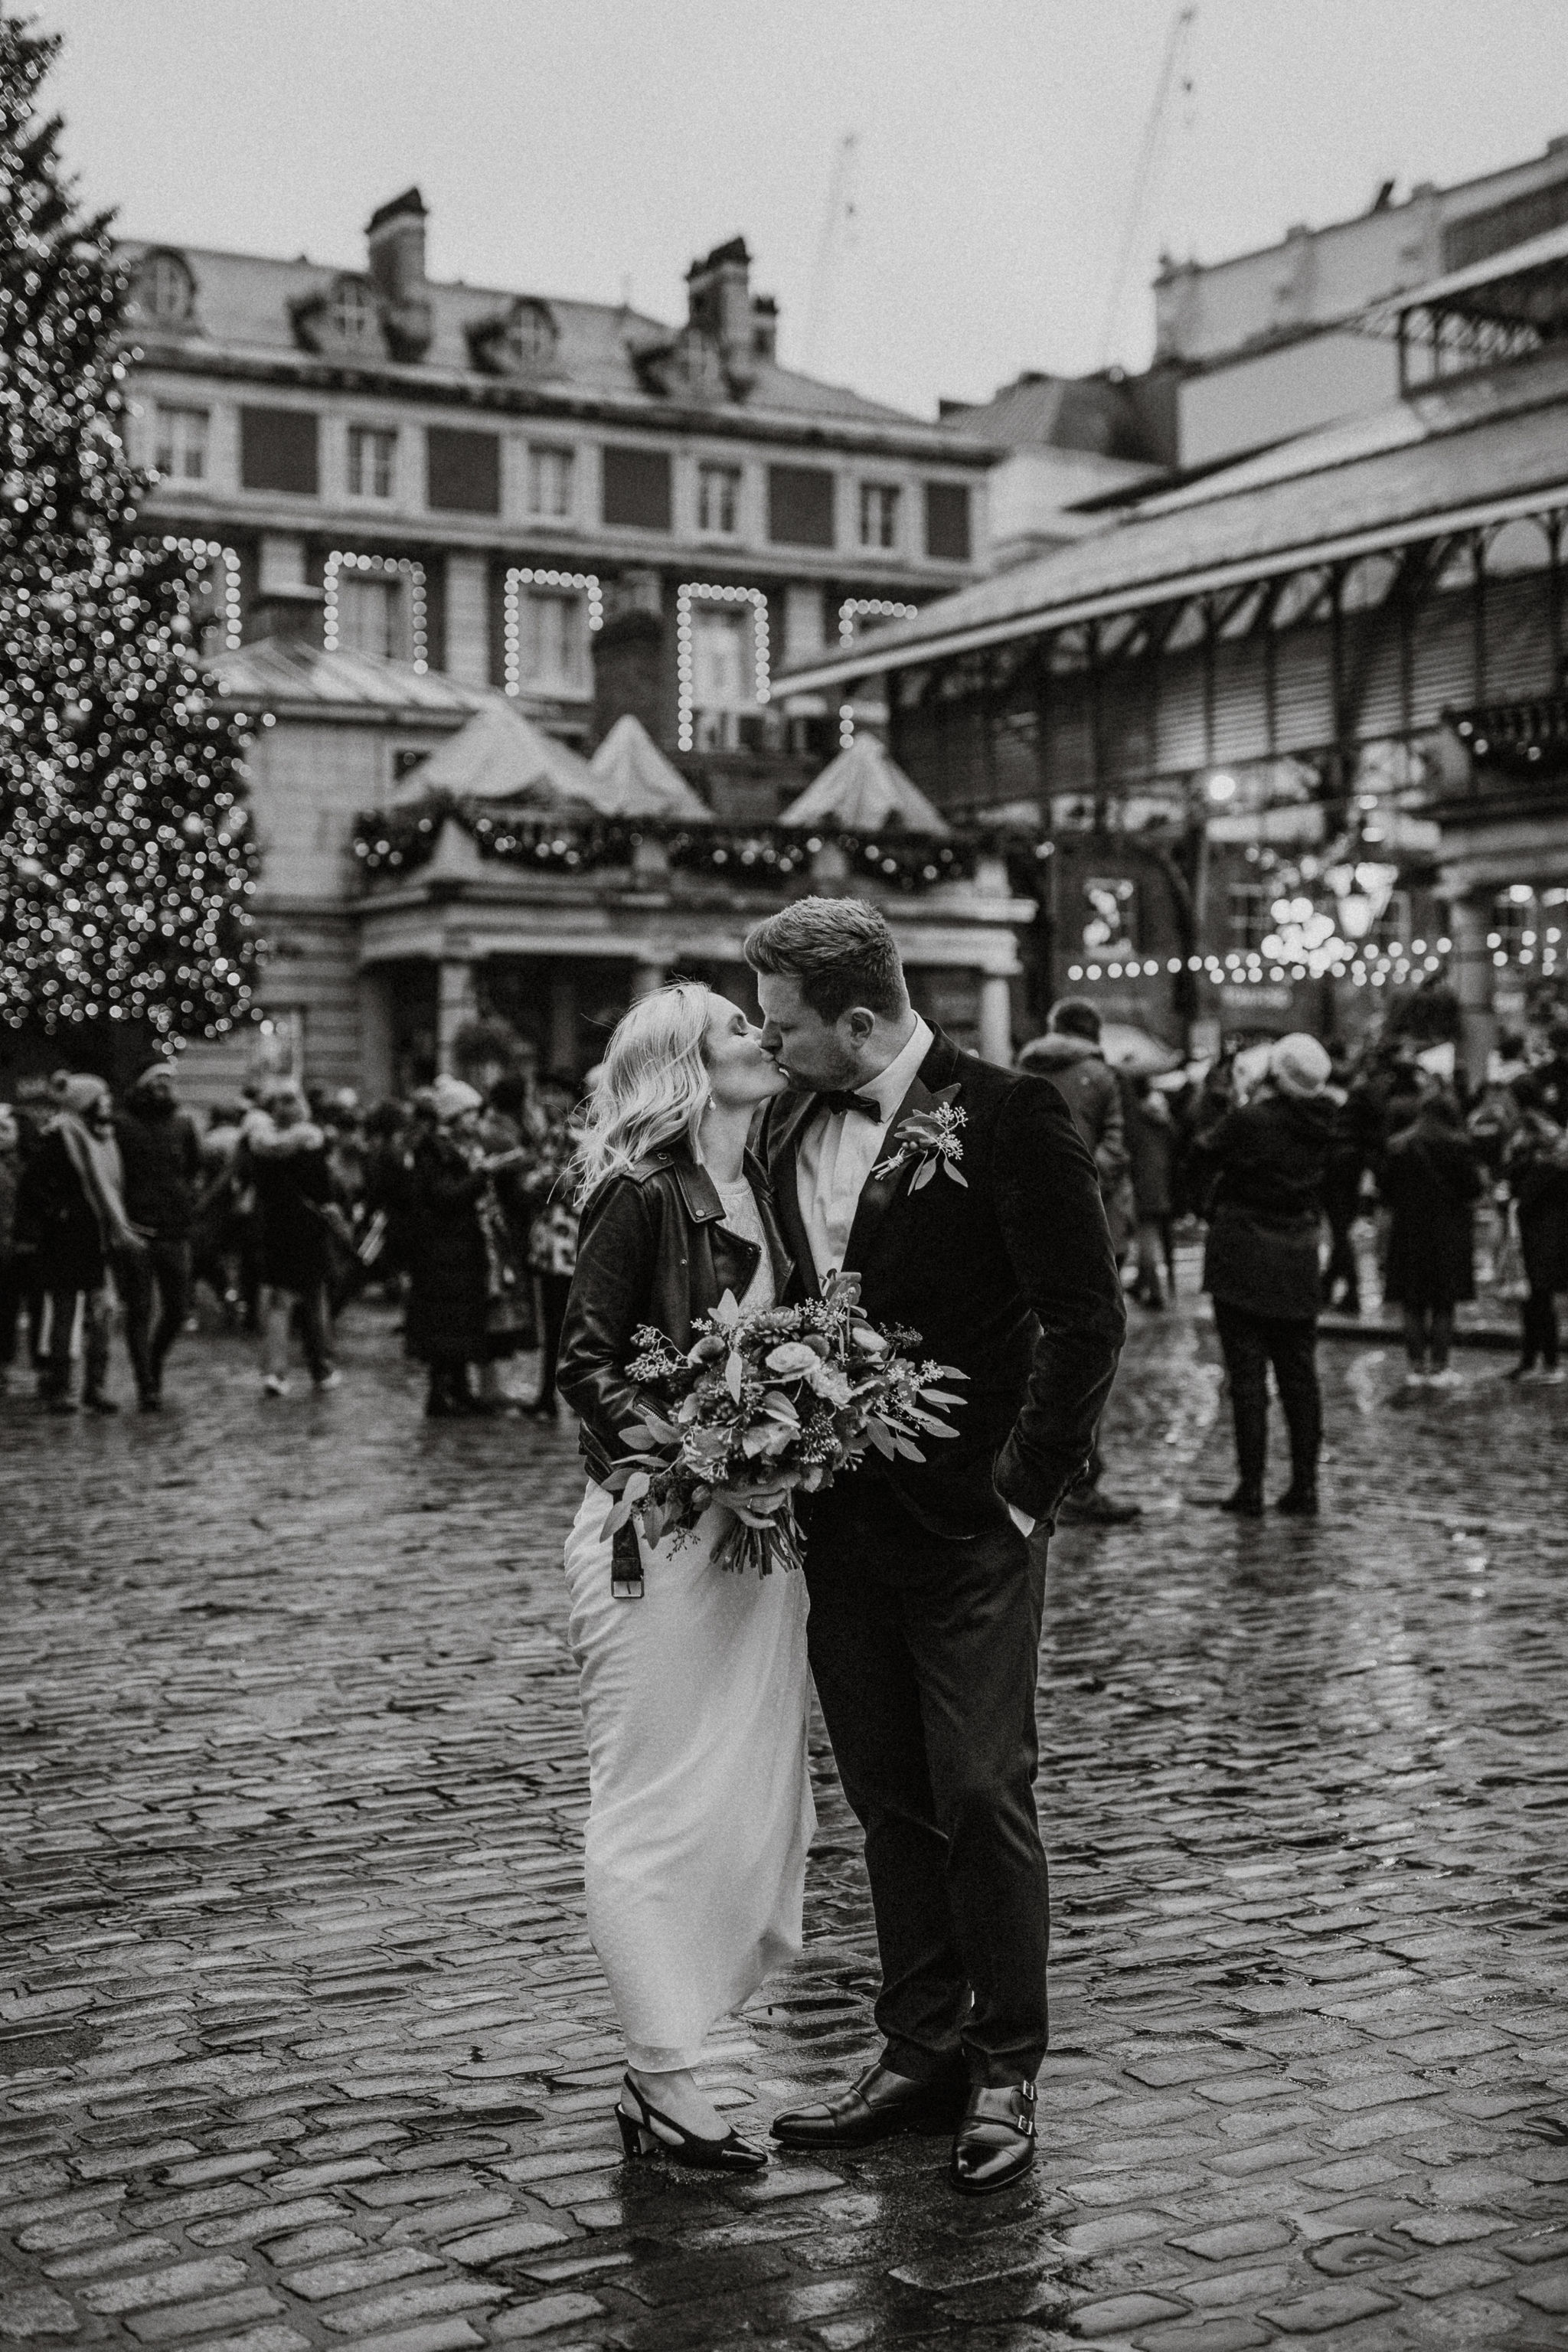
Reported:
(301, 2044)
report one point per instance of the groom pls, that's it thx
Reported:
(980, 1226)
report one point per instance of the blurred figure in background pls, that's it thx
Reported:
(1430, 1184)
(12, 1257)
(467, 1291)
(283, 1157)
(1152, 1152)
(1536, 1163)
(553, 1235)
(161, 1155)
(1341, 1191)
(1069, 1055)
(71, 1208)
(1269, 1156)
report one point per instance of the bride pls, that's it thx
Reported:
(693, 1680)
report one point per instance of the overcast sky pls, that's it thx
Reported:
(587, 145)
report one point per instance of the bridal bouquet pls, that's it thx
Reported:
(763, 1406)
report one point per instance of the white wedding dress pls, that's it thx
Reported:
(694, 1700)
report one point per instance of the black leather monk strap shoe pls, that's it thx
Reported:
(878, 2107)
(995, 2142)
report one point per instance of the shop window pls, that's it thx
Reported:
(1251, 917)
(1111, 915)
(554, 643)
(373, 615)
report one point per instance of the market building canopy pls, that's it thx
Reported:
(865, 790)
(500, 755)
(635, 779)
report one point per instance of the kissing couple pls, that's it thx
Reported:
(717, 1157)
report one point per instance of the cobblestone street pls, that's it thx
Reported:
(303, 2044)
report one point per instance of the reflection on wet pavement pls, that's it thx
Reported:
(301, 2043)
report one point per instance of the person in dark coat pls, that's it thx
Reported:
(1430, 1186)
(71, 1207)
(282, 1157)
(458, 1261)
(1152, 1150)
(1536, 1163)
(1069, 1055)
(161, 1152)
(1260, 1266)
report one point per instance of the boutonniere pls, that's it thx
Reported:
(930, 1138)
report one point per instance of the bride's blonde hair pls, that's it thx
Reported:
(651, 1087)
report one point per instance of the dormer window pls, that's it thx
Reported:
(351, 315)
(342, 320)
(165, 290)
(523, 340)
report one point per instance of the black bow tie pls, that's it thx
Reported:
(834, 1099)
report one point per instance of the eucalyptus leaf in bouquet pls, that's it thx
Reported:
(764, 1406)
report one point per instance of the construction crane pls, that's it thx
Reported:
(837, 234)
(1173, 74)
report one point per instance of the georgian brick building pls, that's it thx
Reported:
(570, 500)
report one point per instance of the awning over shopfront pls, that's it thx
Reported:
(635, 779)
(501, 756)
(864, 790)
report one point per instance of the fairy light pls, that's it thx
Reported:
(853, 610)
(692, 592)
(523, 576)
(124, 838)
(396, 567)
(212, 555)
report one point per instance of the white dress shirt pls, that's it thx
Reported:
(838, 1152)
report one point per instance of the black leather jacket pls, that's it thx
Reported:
(653, 1248)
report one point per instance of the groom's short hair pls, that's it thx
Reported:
(841, 950)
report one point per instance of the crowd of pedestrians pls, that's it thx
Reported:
(284, 1208)
(286, 1205)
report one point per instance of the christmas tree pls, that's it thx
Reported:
(125, 861)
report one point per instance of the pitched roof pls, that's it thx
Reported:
(282, 672)
(635, 779)
(501, 756)
(244, 305)
(865, 790)
(1449, 453)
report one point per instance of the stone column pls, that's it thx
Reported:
(1472, 971)
(648, 973)
(454, 1006)
(376, 1076)
(996, 1019)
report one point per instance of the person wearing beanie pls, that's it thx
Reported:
(1268, 1160)
(466, 1277)
(160, 1152)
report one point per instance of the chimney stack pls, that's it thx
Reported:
(395, 237)
(719, 305)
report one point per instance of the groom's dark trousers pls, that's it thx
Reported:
(923, 1651)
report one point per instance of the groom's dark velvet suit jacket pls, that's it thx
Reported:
(1009, 1276)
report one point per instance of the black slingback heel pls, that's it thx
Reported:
(643, 2133)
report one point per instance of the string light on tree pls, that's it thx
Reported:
(122, 844)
